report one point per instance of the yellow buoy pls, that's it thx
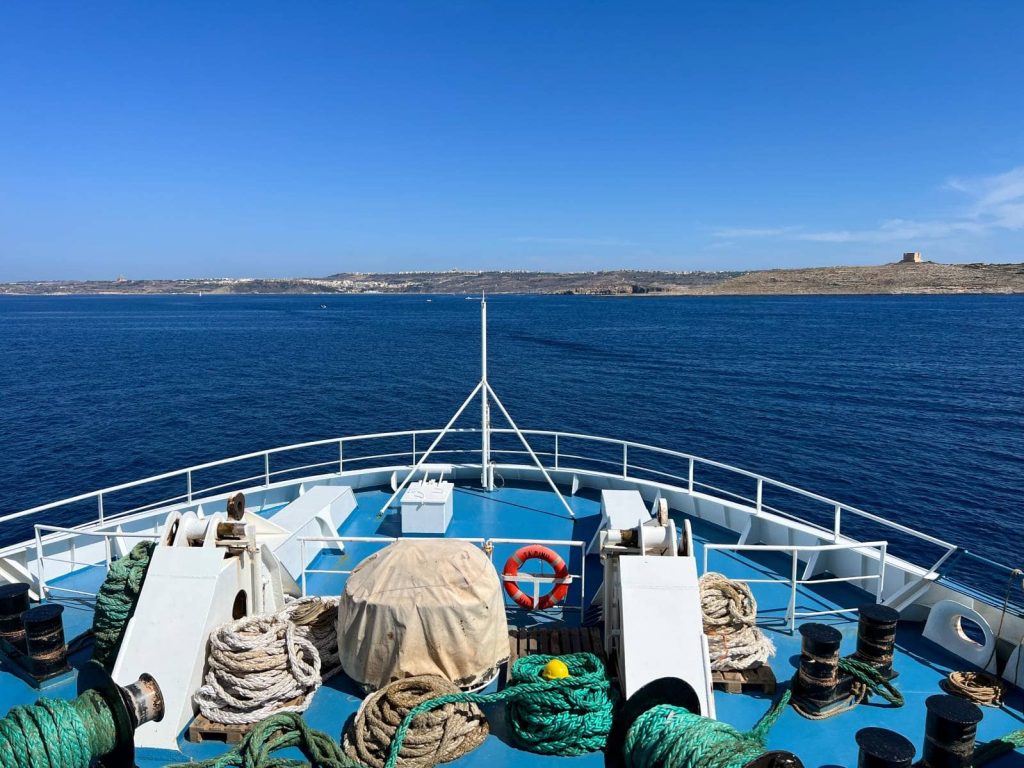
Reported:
(555, 670)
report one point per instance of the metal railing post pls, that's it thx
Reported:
(689, 481)
(40, 575)
(625, 460)
(413, 447)
(760, 493)
(99, 506)
(341, 456)
(792, 594)
(556, 451)
(302, 559)
(266, 467)
(837, 523)
(881, 572)
(188, 486)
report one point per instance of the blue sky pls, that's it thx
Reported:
(172, 139)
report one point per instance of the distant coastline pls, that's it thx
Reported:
(893, 279)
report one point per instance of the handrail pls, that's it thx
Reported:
(794, 550)
(628, 462)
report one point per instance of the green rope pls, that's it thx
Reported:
(668, 735)
(872, 680)
(54, 733)
(116, 601)
(570, 716)
(997, 748)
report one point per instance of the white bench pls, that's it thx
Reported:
(620, 510)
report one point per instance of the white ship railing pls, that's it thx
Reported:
(46, 532)
(794, 582)
(620, 458)
(487, 545)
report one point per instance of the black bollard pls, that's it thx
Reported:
(876, 637)
(13, 604)
(44, 639)
(818, 686)
(949, 731)
(882, 748)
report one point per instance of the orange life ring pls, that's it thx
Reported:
(536, 552)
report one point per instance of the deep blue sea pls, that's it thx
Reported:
(910, 407)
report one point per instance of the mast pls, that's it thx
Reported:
(486, 470)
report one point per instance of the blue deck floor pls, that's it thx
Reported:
(534, 513)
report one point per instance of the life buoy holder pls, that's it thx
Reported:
(536, 552)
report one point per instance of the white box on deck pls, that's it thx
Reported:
(620, 510)
(662, 626)
(427, 506)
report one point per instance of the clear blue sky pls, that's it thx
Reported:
(171, 139)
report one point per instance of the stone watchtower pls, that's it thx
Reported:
(912, 257)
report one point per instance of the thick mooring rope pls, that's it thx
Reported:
(673, 736)
(569, 716)
(730, 623)
(116, 600)
(437, 736)
(52, 734)
(318, 618)
(258, 666)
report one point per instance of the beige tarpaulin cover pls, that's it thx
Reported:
(423, 607)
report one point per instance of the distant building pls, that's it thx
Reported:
(912, 257)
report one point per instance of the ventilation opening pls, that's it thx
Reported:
(971, 631)
(239, 608)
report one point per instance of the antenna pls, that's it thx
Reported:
(487, 393)
(486, 470)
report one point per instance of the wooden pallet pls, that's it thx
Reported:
(202, 729)
(759, 679)
(555, 642)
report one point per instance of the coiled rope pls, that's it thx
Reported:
(437, 736)
(666, 735)
(258, 666)
(54, 733)
(319, 618)
(997, 748)
(569, 716)
(116, 600)
(981, 687)
(730, 623)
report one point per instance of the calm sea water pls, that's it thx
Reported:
(910, 407)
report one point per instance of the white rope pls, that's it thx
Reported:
(262, 665)
(730, 623)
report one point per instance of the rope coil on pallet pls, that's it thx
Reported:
(319, 617)
(116, 600)
(730, 622)
(437, 736)
(258, 666)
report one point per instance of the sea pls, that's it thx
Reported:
(909, 407)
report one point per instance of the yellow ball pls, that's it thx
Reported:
(555, 670)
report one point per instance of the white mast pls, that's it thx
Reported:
(486, 470)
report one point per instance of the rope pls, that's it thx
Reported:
(673, 736)
(730, 623)
(998, 748)
(867, 681)
(437, 736)
(277, 732)
(979, 687)
(54, 733)
(116, 600)
(569, 716)
(258, 666)
(320, 616)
